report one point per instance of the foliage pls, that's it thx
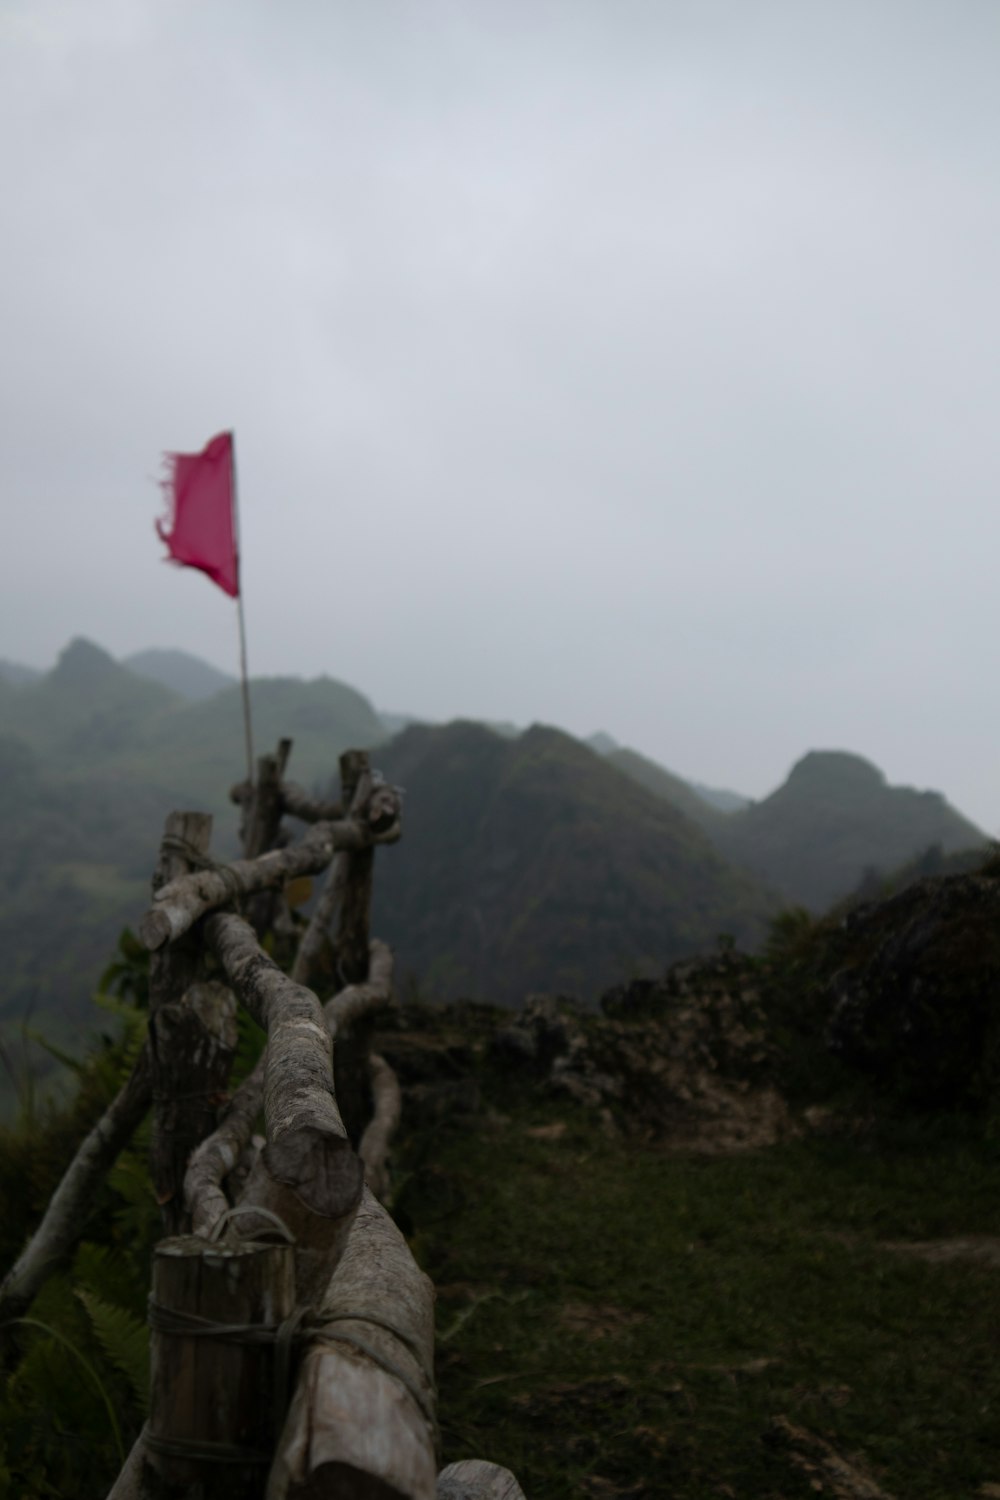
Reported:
(534, 864)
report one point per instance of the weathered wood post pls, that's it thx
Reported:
(355, 874)
(191, 1041)
(219, 1366)
(262, 828)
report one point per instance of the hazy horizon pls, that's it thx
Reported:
(618, 367)
(690, 775)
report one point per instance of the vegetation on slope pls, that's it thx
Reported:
(533, 864)
(834, 824)
(834, 819)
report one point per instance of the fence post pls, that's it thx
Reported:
(262, 829)
(184, 1095)
(353, 1045)
(218, 1384)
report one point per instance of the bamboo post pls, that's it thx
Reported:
(216, 1388)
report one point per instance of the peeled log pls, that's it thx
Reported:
(220, 1153)
(374, 1146)
(307, 1174)
(361, 1422)
(178, 905)
(312, 1182)
(357, 1000)
(359, 866)
(299, 804)
(475, 1479)
(316, 936)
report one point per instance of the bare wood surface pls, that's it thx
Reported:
(65, 1218)
(316, 938)
(361, 1422)
(475, 1479)
(263, 816)
(180, 904)
(213, 1418)
(193, 1042)
(219, 1154)
(297, 802)
(262, 829)
(298, 1068)
(307, 1174)
(357, 1000)
(388, 1103)
(183, 846)
(356, 895)
(312, 1182)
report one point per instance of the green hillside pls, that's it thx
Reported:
(92, 758)
(534, 864)
(663, 783)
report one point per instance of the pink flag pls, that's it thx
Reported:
(202, 494)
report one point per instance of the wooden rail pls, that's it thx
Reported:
(291, 1330)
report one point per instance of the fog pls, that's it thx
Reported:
(619, 365)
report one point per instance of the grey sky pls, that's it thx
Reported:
(623, 365)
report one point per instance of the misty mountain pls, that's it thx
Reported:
(706, 800)
(720, 797)
(535, 864)
(834, 822)
(184, 674)
(92, 758)
(91, 712)
(14, 672)
(527, 862)
(663, 783)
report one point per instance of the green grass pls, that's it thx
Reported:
(616, 1320)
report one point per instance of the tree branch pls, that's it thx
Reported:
(64, 1219)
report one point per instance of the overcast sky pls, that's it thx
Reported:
(622, 364)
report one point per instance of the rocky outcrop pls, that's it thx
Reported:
(915, 1001)
(681, 1060)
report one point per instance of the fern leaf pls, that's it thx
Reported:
(124, 1339)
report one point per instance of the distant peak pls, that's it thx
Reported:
(82, 661)
(834, 767)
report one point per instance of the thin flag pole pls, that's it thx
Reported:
(244, 680)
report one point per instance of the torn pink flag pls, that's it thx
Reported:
(201, 491)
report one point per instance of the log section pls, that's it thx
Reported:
(361, 1425)
(475, 1479)
(179, 904)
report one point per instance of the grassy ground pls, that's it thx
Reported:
(617, 1320)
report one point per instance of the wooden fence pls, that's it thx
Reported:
(291, 1330)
